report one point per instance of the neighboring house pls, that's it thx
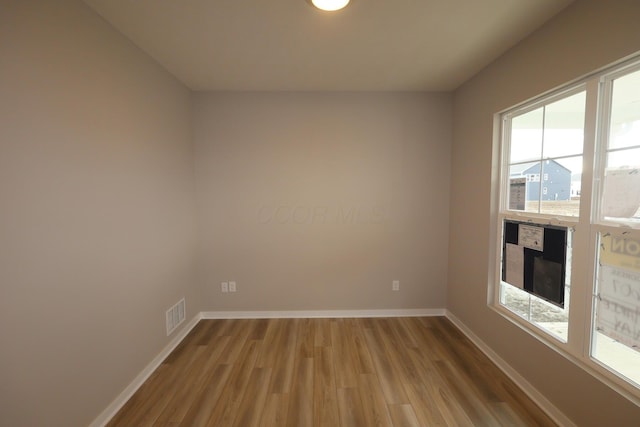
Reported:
(554, 180)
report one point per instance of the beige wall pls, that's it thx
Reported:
(318, 201)
(585, 37)
(97, 215)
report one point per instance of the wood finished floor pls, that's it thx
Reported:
(328, 372)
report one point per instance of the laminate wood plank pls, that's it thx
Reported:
(425, 406)
(526, 409)
(259, 329)
(409, 325)
(238, 335)
(279, 351)
(322, 332)
(402, 329)
(350, 407)
(272, 343)
(182, 350)
(358, 344)
(165, 391)
(229, 326)
(396, 352)
(466, 395)
(301, 399)
(452, 412)
(506, 416)
(467, 358)
(283, 369)
(139, 401)
(226, 408)
(255, 396)
(214, 329)
(376, 412)
(306, 338)
(192, 382)
(425, 339)
(346, 371)
(275, 410)
(200, 411)
(388, 375)
(437, 403)
(325, 400)
(367, 322)
(428, 396)
(403, 416)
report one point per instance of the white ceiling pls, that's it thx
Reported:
(377, 45)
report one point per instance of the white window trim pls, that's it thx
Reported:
(577, 349)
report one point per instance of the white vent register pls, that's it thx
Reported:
(175, 316)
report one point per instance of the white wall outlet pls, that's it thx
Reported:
(232, 286)
(395, 285)
(224, 287)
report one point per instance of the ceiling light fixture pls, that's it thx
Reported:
(330, 5)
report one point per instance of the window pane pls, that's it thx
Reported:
(628, 159)
(621, 191)
(564, 126)
(524, 287)
(516, 300)
(526, 136)
(561, 186)
(551, 318)
(550, 159)
(616, 331)
(625, 112)
(548, 317)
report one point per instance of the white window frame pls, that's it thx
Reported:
(586, 227)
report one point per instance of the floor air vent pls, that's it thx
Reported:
(175, 316)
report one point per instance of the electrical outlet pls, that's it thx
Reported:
(395, 285)
(232, 286)
(224, 287)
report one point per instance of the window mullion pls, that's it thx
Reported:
(583, 249)
(541, 160)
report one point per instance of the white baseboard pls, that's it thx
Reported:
(307, 314)
(556, 415)
(126, 394)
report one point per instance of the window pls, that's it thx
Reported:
(545, 138)
(576, 231)
(616, 321)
